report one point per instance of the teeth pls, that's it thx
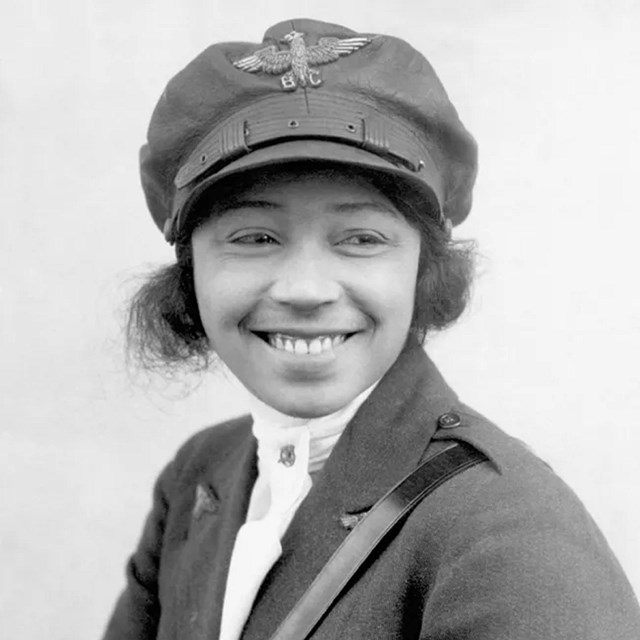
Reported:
(315, 346)
(302, 347)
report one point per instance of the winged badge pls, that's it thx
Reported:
(297, 63)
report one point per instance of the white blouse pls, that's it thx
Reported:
(289, 449)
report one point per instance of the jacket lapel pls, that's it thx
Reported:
(224, 474)
(384, 441)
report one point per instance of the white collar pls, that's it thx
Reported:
(312, 438)
(289, 450)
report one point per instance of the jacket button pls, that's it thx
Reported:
(449, 421)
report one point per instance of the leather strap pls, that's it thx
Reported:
(368, 534)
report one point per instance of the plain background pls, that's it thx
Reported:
(549, 348)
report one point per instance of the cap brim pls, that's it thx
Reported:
(427, 181)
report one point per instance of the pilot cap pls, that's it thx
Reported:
(311, 91)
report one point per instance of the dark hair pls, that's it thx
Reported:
(164, 332)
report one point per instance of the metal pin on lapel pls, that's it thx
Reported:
(205, 503)
(350, 520)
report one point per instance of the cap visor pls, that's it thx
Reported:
(318, 151)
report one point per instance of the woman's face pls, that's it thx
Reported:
(305, 288)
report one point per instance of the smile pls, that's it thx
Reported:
(308, 346)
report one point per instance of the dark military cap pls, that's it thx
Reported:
(311, 91)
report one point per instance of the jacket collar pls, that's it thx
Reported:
(388, 436)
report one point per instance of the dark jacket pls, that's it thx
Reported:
(502, 551)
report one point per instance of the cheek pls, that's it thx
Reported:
(388, 289)
(222, 298)
(403, 289)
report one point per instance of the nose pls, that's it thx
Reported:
(305, 279)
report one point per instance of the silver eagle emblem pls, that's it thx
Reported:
(297, 63)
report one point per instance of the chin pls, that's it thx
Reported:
(309, 408)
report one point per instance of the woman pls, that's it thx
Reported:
(309, 185)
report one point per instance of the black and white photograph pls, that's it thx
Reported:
(320, 320)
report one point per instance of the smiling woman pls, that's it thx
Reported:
(312, 218)
(165, 330)
(313, 259)
(309, 258)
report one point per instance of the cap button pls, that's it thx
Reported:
(449, 420)
(288, 455)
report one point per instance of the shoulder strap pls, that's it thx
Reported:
(369, 532)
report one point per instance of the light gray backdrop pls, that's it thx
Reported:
(549, 350)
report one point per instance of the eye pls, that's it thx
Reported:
(256, 238)
(363, 239)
